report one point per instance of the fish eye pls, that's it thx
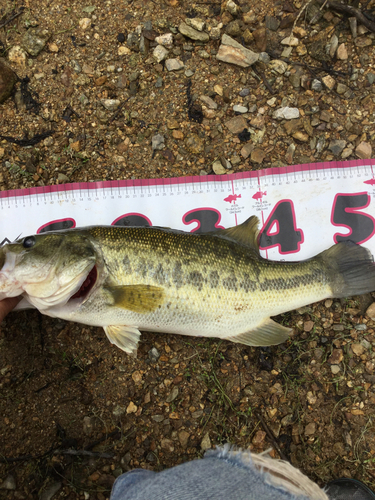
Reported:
(28, 242)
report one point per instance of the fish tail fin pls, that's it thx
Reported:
(351, 269)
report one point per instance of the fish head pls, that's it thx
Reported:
(48, 269)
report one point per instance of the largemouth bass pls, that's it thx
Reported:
(128, 279)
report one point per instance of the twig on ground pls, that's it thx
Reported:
(271, 436)
(10, 19)
(349, 9)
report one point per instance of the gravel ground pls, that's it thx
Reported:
(99, 86)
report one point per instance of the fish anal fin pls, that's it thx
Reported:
(125, 337)
(245, 233)
(266, 333)
(137, 298)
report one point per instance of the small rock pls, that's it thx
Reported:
(174, 64)
(50, 491)
(240, 109)
(370, 311)
(7, 81)
(84, 23)
(299, 32)
(336, 357)
(308, 326)
(370, 78)
(311, 398)
(192, 33)
(334, 42)
(244, 92)
(157, 142)
(218, 168)
(9, 483)
(177, 134)
(206, 442)
(272, 23)
(258, 438)
(287, 420)
(233, 52)
(232, 8)
(122, 51)
(291, 41)
(335, 369)
(341, 88)
(196, 22)
(194, 144)
(52, 47)
(17, 56)
(160, 53)
(336, 146)
(286, 113)
(358, 349)
(264, 58)
(88, 426)
(62, 177)
(208, 101)
(290, 153)
(183, 437)
(111, 104)
(137, 377)
(364, 41)
(172, 395)
(329, 81)
(218, 89)
(121, 38)
(34, 40)
(300, 136)
(258, 155)
(153, 354)
(100, 81)
(165, 40)
(246, 150)
(342, 52)
(316, 85)
(167, 444)
(118, 411)
(260, 37)
(310, 429)
(236, 124)
(132, 408)
(278, 66)
(233, 29)
(363, 150)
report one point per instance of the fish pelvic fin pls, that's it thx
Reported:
(125, 337)
(137, 298)
(245, 233)
(350, 268)
(266, 333)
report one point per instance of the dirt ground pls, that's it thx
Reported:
(76, 412)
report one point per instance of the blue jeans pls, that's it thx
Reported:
(223, 474)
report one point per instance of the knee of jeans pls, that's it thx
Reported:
(129, 480)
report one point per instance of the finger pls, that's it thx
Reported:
(8, 305)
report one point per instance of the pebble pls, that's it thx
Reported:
(264, 58)
(258, 155)
(218, 168)
(236, 124)
(166, 40)
(237, 108)
(310, 429)
(196, 22)
(132, 408)
(308, 326)
(329, 81)
(335, 369)
(34, 40)
(111, 104)
(370, 311)
(206, 442)
(334, 42)
(160, 53)
(358, 349)
(278, 66)
(172, 395)
(363, 150)
(50, 491)
(84, 23)
(291, 41)
(174, 64)
(342, 52)
(9, 483)
(233, 52)
(183, 437)
(286, 113)
(88, 425)
(208, 101)
(17, 56)
(272, 23)
(336, 357)
(370, 78)
(194, 144)
(157, 142)
(258, 438)
(121, 37)
(232, 8)
(122, 51)
(244, 92)
(192, 33)
(337, 146)
(153, 354)
(316, 85)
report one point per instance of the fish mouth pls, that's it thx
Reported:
(87, 285)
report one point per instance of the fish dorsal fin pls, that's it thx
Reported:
(266, 333)
(245, 233)
(125, 337)
(136, 298)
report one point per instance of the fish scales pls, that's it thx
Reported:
(128, 279)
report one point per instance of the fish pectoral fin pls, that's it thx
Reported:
(266, 333)
(137, 298)
(125, 337)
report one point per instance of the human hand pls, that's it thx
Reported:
(7, 305)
